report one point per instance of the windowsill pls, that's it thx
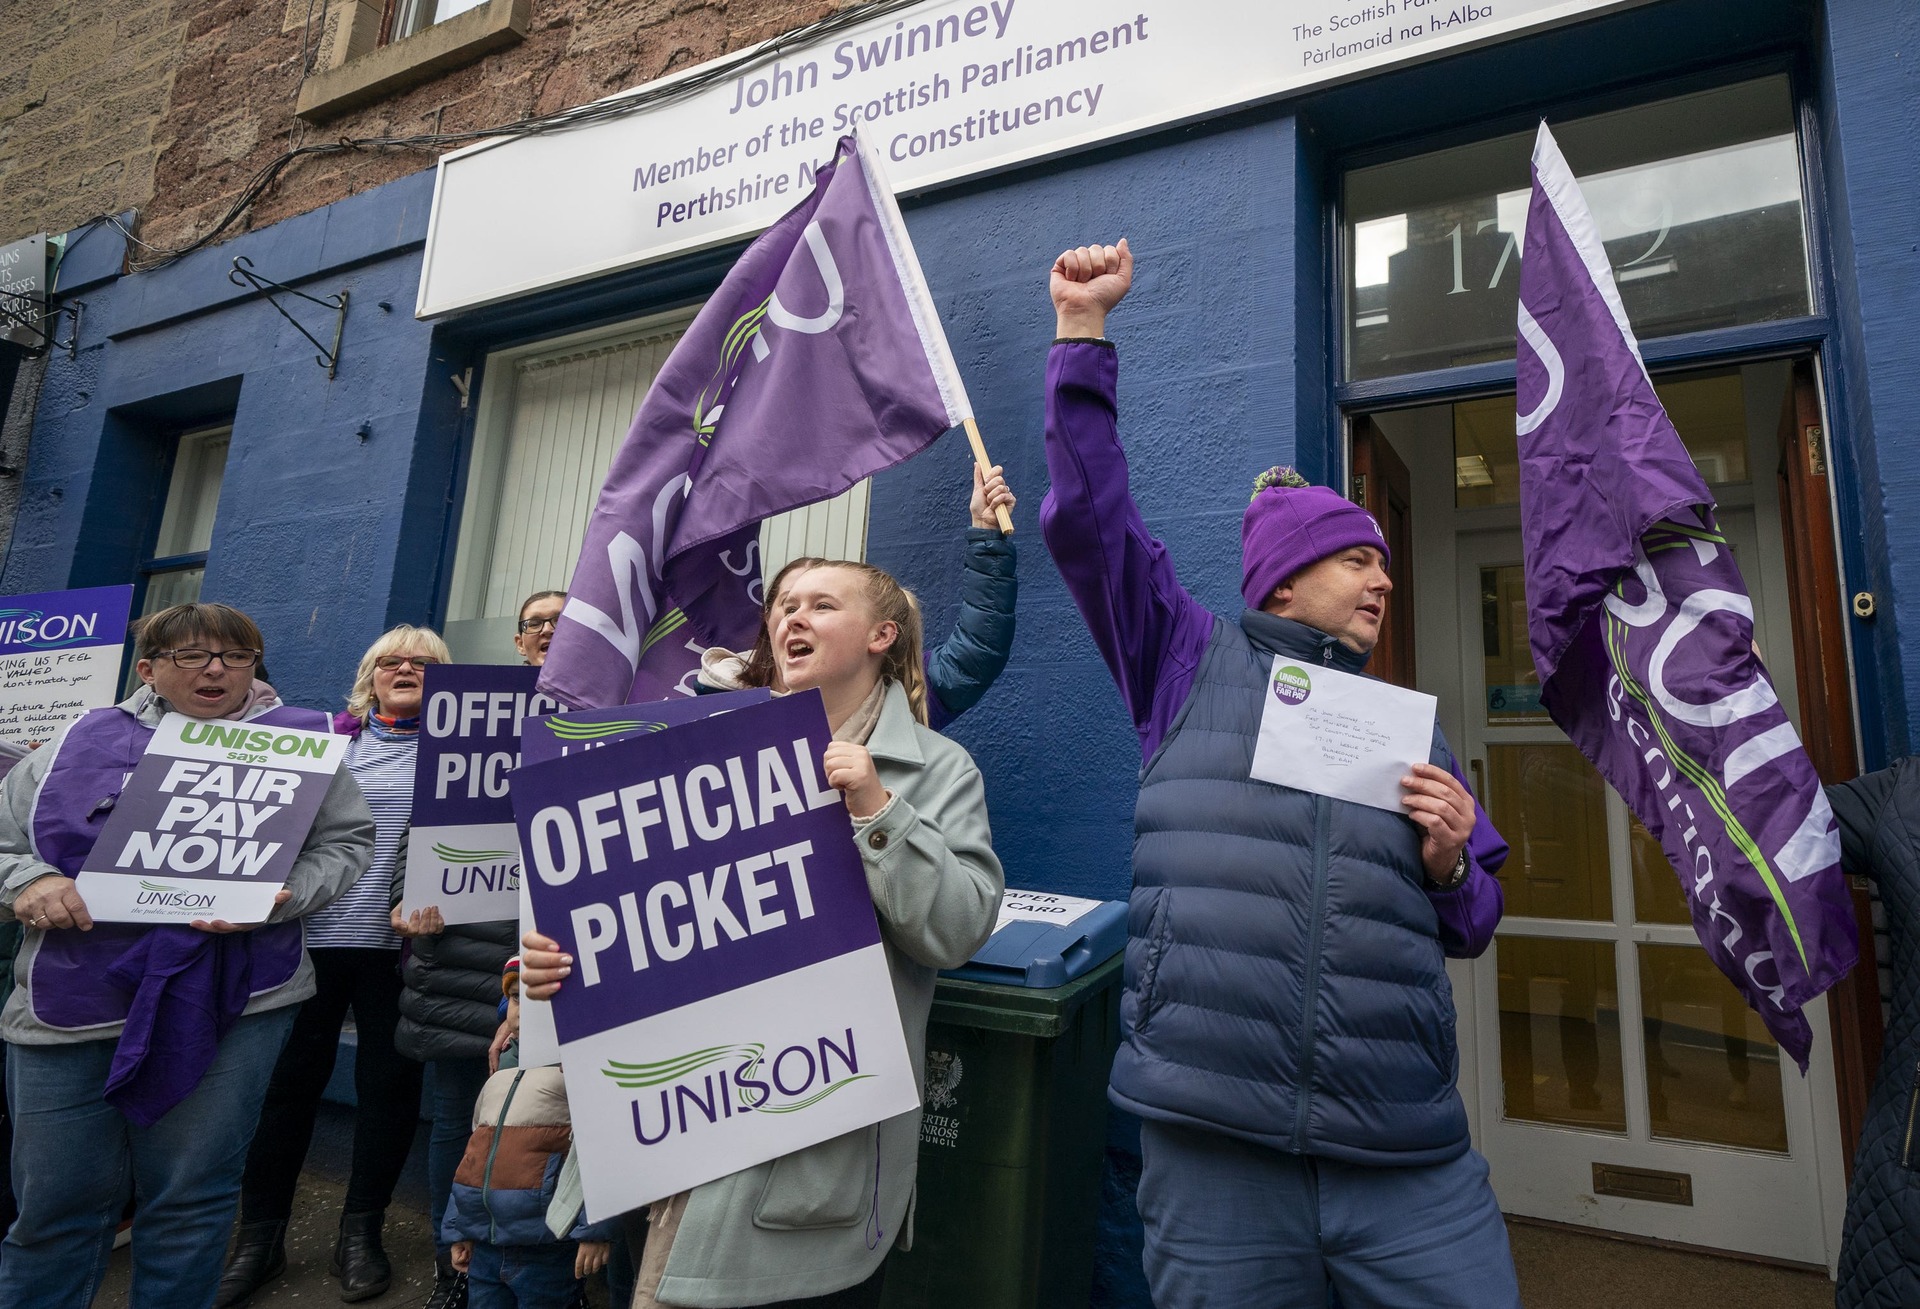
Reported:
(418, 58)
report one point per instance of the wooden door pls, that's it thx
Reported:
(1826, 713)
(1384, 488)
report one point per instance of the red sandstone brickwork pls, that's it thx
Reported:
(231, 107)
(82, 98)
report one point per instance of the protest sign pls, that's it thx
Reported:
(59, 657)
(209, 823)
(462, 855)
(730, 1000)
(554, 736)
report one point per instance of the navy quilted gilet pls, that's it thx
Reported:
(1879, 818)
(1284, 976)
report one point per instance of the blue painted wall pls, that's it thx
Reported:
(322, 535)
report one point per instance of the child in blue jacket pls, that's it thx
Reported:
(497, 1212)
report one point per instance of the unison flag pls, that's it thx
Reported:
(1642, 631)
(818, 362)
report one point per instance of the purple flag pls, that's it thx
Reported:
(1642, 631)
(818, 362)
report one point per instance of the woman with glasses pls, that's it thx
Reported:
(356, 962)
(166, 1113)
(539, 613)
(449, 1011)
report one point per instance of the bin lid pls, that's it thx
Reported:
(1044, 940)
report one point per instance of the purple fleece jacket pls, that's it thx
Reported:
(1149, 629)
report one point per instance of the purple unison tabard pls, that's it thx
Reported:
(685, 863)
(1642, 631)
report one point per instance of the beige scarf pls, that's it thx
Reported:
(663, 1217)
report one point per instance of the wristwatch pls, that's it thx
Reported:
(1458, 876)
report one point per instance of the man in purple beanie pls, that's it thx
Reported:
(1289, 1030)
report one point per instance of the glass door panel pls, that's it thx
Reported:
(1560, 1033)
(1552, 808)
(1713, 1073)
(1657, 897)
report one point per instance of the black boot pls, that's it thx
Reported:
(449, 1287)
(359, 1261)
(259, 1256)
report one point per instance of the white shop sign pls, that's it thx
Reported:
(943, 91)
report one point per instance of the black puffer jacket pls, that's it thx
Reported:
(450, 1008)
(1880, 1253)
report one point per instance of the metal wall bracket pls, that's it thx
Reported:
(21, 311)
(328, 358)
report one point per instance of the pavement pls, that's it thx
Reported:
(1559, 1268)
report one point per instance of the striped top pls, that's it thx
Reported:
(383, 765)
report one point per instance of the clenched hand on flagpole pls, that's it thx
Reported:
(818, 362)
(1642, 631)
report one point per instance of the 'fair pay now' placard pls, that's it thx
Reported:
(209, 823)
(462, 855)
(730, 1000)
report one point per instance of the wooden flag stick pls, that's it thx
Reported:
(986, 466)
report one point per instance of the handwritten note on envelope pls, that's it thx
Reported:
(1341, 735)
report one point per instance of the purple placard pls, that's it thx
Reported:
(683, 908)
(470, 741)
(554, 736)
(64, 620)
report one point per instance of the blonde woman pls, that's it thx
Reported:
(918, 807)
(356, 961)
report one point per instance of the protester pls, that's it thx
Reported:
(1879, 1254)
(533, 632)
(919, 812)
(11, 753)
(961, 669)
(497, 1216)
(1289, 1029)
(169, 1111)
(448, 1009)
(356, 961)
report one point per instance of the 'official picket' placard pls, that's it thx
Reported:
(730, 1000)
(462, 855)
(210, 823)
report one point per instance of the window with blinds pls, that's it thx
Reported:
(551, 417)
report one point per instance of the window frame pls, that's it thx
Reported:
(1464, 381)
(150, 565)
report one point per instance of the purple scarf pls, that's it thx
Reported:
(188, 989)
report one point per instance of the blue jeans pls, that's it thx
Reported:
(1231, 1225)
(76, 1160)
(456, 1088)
(521, 1276)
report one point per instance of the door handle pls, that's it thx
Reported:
(1479, 781)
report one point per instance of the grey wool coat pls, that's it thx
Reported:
(822, 1219)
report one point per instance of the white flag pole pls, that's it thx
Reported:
(926, 319)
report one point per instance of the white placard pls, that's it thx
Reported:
(737, 1089)
(539, 1043)
(1042, 907)
(471, 872)
(943, 91)
(1341, 735)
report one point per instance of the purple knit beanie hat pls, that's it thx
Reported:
(1291, 524)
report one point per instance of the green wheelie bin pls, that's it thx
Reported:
(1013, 1134)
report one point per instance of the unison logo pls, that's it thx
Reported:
(477, 870)
(722, 1082)
(159, 895)
(568, 730)
(1291, 685)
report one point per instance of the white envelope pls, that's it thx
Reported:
(1341, 735)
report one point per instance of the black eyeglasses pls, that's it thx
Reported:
(390, 663)
(528, 626)
(191, 659)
